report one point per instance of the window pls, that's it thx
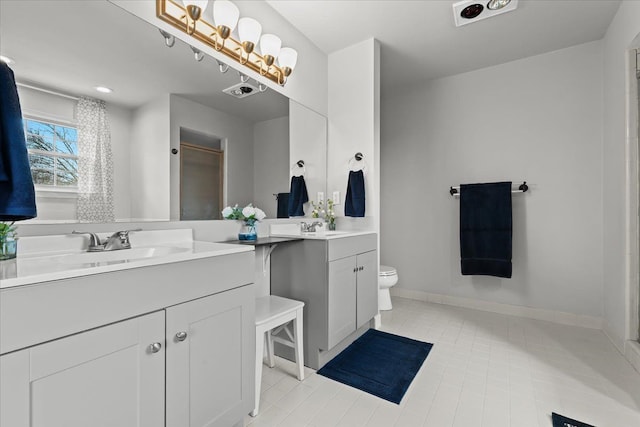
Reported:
(53, 154)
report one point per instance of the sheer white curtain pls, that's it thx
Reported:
(95, 162)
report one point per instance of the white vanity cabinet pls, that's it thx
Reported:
(184, 356)
(110, 376)
(337, 280)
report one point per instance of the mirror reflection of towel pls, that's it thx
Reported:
(17, 194)
(298, 196)
(485, 229)
(354, 203)
(283, 205)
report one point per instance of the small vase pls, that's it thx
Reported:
(331, 226)
(8, 249)
(248, 232)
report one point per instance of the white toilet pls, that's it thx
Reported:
(387, 277)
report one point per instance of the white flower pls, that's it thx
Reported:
(248, 211)
(226, 212)
(260, 215)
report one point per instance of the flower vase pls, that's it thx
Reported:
(331, 226)
(8, 248)
(248, 232)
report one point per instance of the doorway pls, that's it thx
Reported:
(201, 182)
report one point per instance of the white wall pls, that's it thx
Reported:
(354, 125)
(53, 206)
(150, 151)
(237, 136)
(271, 163)
(537, 119)
(624, 27)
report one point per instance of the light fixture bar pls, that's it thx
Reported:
(175, 14)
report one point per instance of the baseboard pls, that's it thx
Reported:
(617, 341)
(561, 317)
(632, 353)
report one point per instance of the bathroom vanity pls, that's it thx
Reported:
(148, 341)
(336, 275)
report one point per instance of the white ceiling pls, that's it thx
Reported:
(419, 40)
(73, 46)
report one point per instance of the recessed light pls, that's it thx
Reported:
(472, 11)
(6, 59)
(497, 4)
(103, 89)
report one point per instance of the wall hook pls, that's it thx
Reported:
(358, 156)
(300, 163)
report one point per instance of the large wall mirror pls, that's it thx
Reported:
(182, 149)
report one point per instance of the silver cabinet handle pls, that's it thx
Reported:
(155, 347)
(181, 336)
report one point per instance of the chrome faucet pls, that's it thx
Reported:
(309, 228)
(118, 240)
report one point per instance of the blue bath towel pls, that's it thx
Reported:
(17, 194)
(354, 203)
(283, 205)
(298, 196)
(486, 229)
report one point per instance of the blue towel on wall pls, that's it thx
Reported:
(486, 229)
(283, 205)
(354, 202)
(17, 195)
(298, 196)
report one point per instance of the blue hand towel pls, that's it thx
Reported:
(486, 229)
(17, 194)
(354, 203)
(298, 196)
(283, 205)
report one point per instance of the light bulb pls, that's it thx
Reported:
(270, 45)
(225, 14)
(288, 58)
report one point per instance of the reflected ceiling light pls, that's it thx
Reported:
(497, 4)
(194, 10)
(273, 61)
(222, 66)
(169, 40)
(103, 89)
(6, 59)
(197, 54)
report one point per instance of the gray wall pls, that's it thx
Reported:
(537, 119)
(271, 163)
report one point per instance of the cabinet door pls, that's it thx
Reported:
(367, 293)
(210, 367)
(101, 378)
(341, 299)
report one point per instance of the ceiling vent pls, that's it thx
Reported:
(468, 11)
(241, 90)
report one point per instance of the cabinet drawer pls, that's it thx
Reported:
(348, 246)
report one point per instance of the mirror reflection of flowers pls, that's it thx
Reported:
(326, 212)
(249, 214)
(8, 237)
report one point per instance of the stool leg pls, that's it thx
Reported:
(271, 361)
(258, 382)
(298, 343)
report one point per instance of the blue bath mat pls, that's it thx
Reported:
(379, 363)
(562, 421)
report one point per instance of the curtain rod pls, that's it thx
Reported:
(51, 92)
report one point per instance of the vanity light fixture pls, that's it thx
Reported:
(272, 61)
(262, 87)
(103, 89)
(6, 59)
(243, 77)
(222, 66)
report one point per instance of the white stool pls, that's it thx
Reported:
(273, 313)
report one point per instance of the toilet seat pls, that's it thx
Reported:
(386, 271)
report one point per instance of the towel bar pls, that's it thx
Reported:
(522, 188)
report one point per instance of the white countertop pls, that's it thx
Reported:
(148, 248)
(323, 236)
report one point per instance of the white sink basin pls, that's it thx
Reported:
(123, 255)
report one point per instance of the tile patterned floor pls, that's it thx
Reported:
(485, 370)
